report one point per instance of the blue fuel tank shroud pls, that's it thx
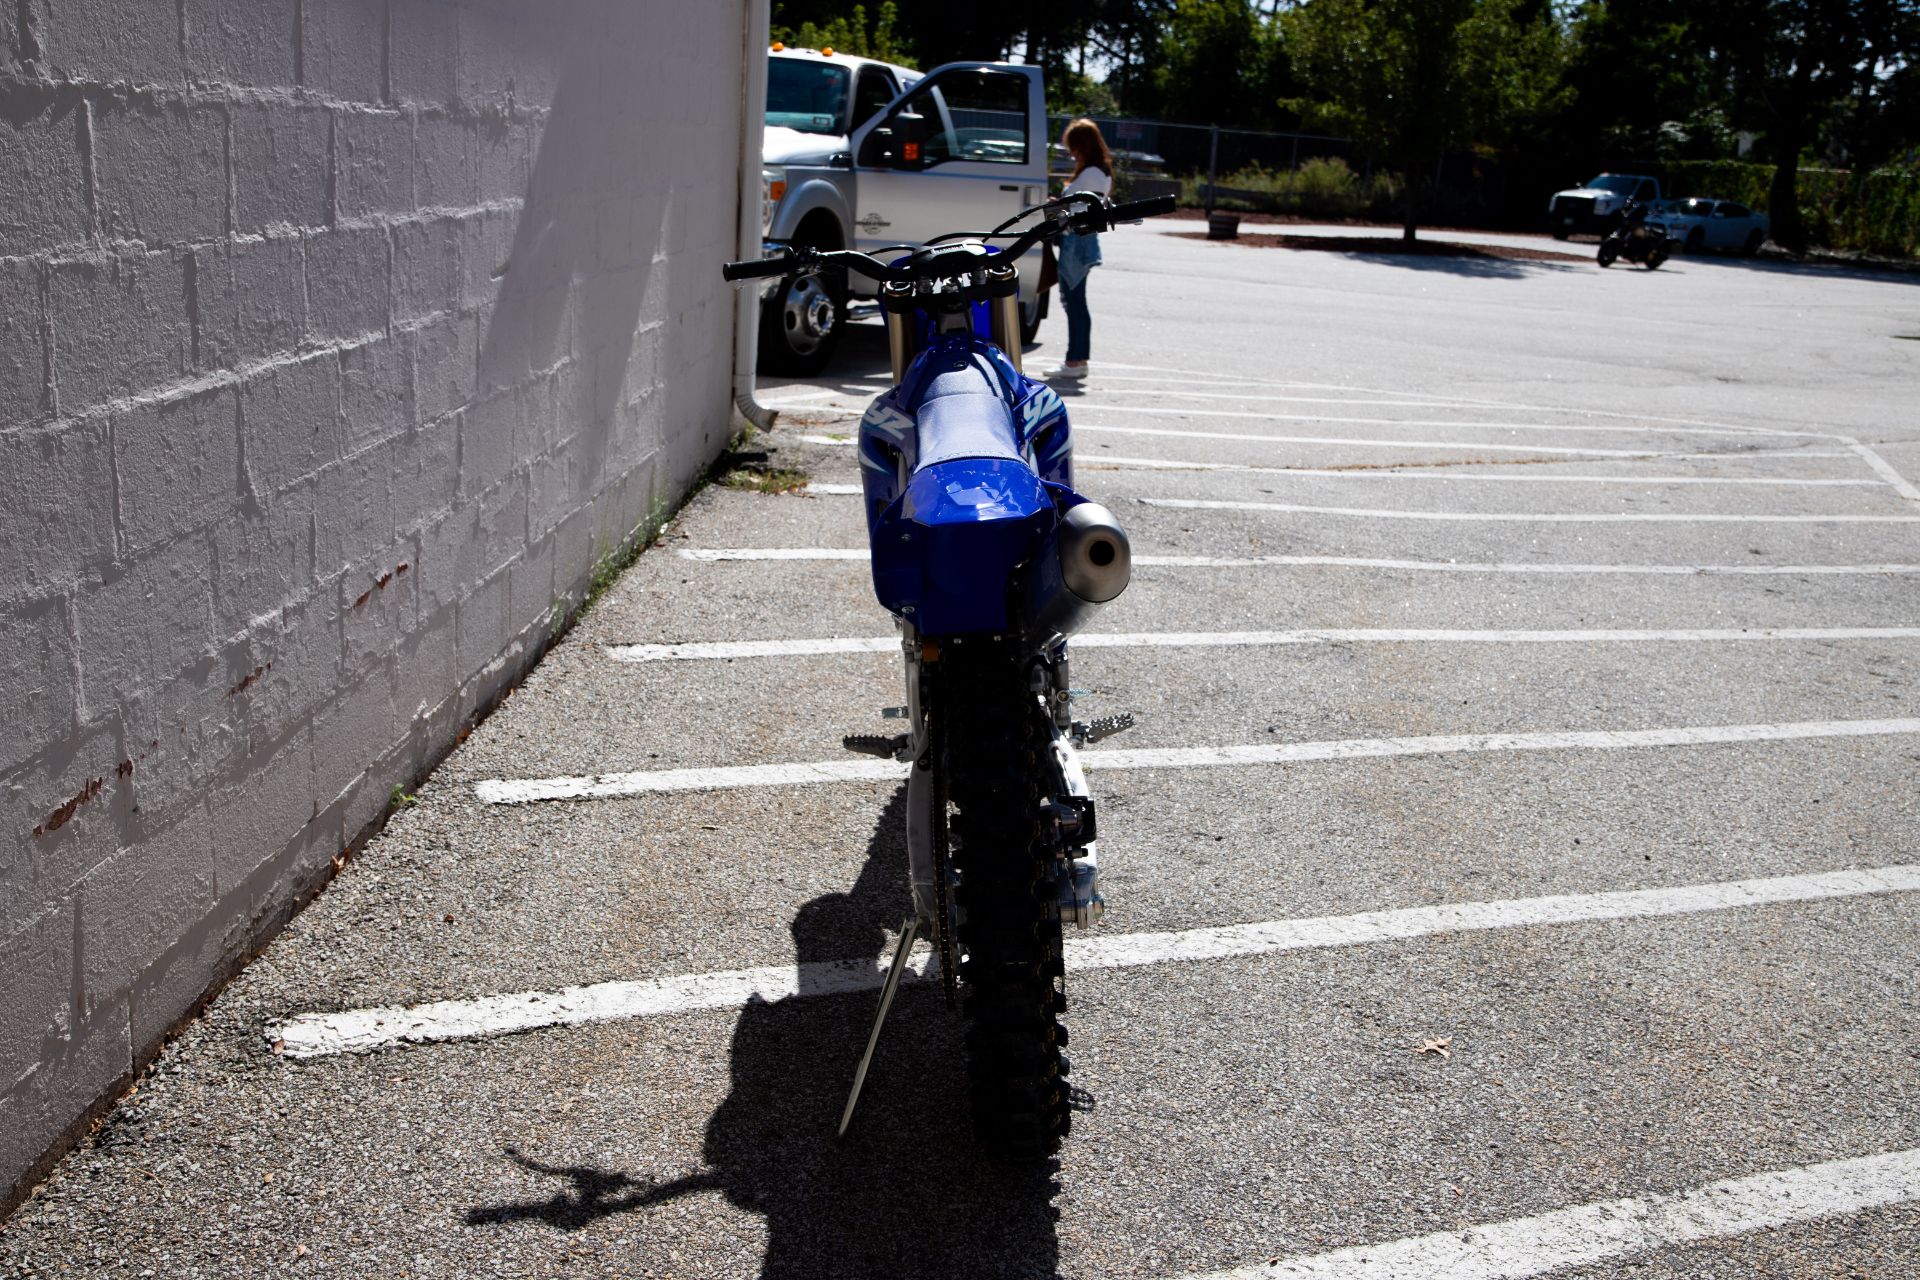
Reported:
(963, 467)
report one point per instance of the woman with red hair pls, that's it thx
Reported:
(1080, 254)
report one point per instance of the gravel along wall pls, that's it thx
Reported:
(339, 340)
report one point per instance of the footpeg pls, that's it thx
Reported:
(899, 747)
(1089, 732)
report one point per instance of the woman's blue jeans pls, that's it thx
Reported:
(1079, 319)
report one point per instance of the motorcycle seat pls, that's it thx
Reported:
(963, 415)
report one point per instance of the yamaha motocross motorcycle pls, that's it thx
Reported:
(988, 559)
(1634, 240)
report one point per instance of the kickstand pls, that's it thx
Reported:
(907, 934)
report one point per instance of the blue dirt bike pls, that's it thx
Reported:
(988, 559)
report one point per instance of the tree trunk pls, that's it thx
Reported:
(1412, 223)
(1783, 198)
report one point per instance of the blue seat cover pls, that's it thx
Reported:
(962, 414)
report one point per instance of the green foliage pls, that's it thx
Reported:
(1324, 187)
(1221, 62)
(1801, 73)
(1876, 212)
(1073, 93)
(1415, 79)
(853, 34)
(1641, 83)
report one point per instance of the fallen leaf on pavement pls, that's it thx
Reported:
(1442, 1045)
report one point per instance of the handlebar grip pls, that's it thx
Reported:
(1142, 208)
(755, 268)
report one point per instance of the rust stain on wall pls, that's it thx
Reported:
(64, 814)
(256, 673)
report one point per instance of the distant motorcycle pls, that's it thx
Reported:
(1634, 240)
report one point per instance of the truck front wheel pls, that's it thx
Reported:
(800, 324)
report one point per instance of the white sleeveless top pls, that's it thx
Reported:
(1091, 179)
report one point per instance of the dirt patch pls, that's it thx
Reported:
(1393, 245)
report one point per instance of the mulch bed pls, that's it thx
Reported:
(1392, 245)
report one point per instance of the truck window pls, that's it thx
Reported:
(874, 91)
(977, 116)
(1645, 191)
(808, 96)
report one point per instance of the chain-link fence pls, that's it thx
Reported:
(1304, 173)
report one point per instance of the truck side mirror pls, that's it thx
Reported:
(896, 142)
(910, 135)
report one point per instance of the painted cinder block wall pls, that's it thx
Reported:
(338, 339)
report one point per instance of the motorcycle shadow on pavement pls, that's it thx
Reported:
(907, 1192)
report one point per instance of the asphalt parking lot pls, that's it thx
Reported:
(1513, 872)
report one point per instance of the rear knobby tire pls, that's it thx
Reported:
(1607, 254)
(1004, 850)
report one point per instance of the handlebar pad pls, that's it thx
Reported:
(754, 268)
(1141, 208)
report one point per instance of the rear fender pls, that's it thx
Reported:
(946, 552)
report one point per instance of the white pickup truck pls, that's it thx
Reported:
(864, 155)
(1596, 206)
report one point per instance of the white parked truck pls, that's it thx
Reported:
(1596, 206)
(864, 155)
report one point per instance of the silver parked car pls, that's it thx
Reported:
(1698, 223)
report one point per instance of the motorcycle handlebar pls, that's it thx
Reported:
(755, 268)
(1134, 210)
(1100, 217)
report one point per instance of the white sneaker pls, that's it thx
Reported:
(1066, 372)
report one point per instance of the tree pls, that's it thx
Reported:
(1415, 79)
(1791, 66)
(1127, 34)
(851, 34)
(1639, 78)
(1221, 62)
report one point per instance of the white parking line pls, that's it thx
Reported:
(1885, 471)
(1451, 401)
(1369, 444)
(1164, 411)
(1359, 562)
(1468, 446)
(719, 649)
(1413, 471)
(1595, 1233)
(313, 1035)
(604, 786)
(1364, 443)
(1525, 517)
(803, 397)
